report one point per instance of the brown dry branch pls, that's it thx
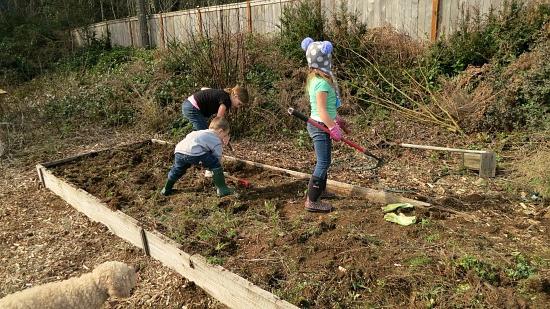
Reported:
(422, 111)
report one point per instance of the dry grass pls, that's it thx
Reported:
(533, 171)
(387, 43)
(467, 107)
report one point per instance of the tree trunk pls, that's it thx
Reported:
(113, 8)
(142, 18)
(101, 7)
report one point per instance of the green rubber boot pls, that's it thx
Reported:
(167, 190)
(219, 181)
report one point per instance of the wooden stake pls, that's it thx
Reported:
(144, 242)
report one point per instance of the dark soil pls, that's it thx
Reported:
(348, 258)
(43, 239)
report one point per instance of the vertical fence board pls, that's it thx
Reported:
(383, 12)
(444, 17)
(392, 16)
(409, 16)
(404, 7)
(414, 19)
(424, 16)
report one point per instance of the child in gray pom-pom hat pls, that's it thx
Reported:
(324, 100)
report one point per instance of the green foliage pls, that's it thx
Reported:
(261, 76)
(524, 93)
(302, 139)
(94, 98)
(501, 36)
(522, 268)
(347, 34)
(28, 47)
(98, 104)
(420, 260)
(298, 21)
(534, 95)
(482, 269)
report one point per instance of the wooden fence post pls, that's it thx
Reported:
(435, 19)
(222, 27)
(131, 32)
(249, 15)
(199, 22)
(163, 40)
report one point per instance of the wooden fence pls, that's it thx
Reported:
(421, 19)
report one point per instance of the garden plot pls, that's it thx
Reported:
(350, 257)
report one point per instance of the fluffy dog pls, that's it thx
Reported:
(90, 290)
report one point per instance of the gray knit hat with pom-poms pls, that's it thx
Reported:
(318, 54)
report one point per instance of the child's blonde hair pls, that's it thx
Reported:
(219, 123)
(240, 92)
(318, 73)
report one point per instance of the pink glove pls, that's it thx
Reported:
(343, 124)
(336, 133)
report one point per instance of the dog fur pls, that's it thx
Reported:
(90, 290)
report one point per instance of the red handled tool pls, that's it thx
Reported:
(242, 182)
(364, 151)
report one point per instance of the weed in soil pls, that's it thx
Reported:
(348, 258)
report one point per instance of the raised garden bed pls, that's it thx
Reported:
(350, 257)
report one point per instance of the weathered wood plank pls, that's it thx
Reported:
(488, 165)
(414, 19)
(117, 222)
(439, 148)
(485, 163)
(376, 196)
(403, 15)
(86, 154)
(227, 287)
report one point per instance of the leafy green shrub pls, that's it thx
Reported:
(482, 269)
(523, 100)
(28, 47)
(502, 36)
(522, 268)
(99, 104)
(300, 20)
(86, 57)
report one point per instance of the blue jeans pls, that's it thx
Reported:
(182, 162)
(194, 116)
(323, 146)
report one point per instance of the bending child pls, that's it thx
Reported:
(201, 147)
(323, 98)
(201, 105)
